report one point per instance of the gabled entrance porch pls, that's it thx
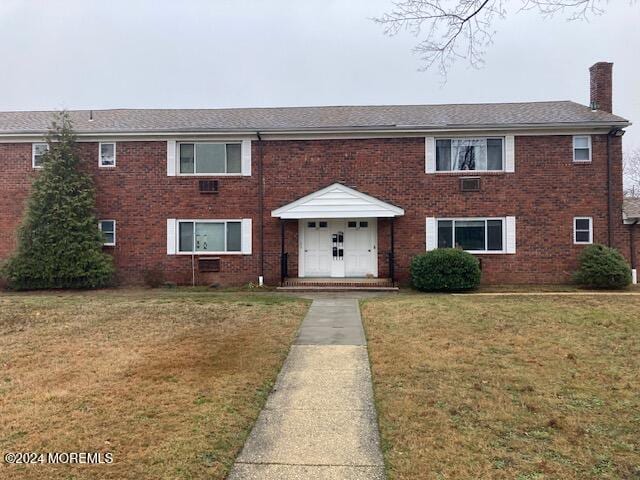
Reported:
(337, 235)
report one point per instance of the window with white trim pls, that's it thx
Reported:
(582, 230)
(37, 152)
(108, 229)
(477, 235)
(210, 158)
(582, 148)
(107, 154)
(478, 154)
(209, 236)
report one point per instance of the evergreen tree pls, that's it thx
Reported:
(59, 242)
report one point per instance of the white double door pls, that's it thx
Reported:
(338, 248)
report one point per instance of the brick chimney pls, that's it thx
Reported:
(601, 86)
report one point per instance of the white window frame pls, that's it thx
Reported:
(588, 137)
(466, 219)
(504, 154)
(115, 148)
(194, 174)
(33, 154)
(197, 252)
(107, 244)
(575, 231)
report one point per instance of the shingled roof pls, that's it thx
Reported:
(631, 207)
(391, 117)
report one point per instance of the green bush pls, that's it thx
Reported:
(445, 270)
(602, 267)
(59, 243)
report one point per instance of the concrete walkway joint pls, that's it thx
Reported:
(320, 420)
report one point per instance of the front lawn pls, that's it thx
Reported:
(169, 382)
(512, 387)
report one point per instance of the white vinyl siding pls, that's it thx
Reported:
(108, 229)
(107, 155)
(196, 236)
(582, 230)
(582, 149)
(37, 151)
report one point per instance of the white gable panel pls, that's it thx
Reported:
(337, 201)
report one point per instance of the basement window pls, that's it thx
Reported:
(108, 229)
(582, 230)
(210, 158)
(477, 154)
(582, 149)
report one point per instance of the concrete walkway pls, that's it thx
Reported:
(320, 421)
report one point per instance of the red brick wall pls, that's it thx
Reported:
(545, 193)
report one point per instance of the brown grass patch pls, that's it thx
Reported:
(507, 387)
(169, 382)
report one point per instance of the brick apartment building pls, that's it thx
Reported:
(232, 196)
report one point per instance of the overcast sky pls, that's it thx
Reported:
(240, 53)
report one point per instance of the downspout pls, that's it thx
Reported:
(261, 208)
(609, 192)
(634, 260)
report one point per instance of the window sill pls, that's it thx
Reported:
(108, 244)
(488, 252)
(582, 162)
(188, 175)
(106, 166)
(210, 253)
(471, 173)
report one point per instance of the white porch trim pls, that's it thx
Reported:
(337, 201)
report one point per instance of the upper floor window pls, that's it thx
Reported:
(108, 229)
(107, 155)
(210, 158)
(473, 235)
(582, 148)
(209, 236)
(479, 154)
(37, 152)
(582, 230)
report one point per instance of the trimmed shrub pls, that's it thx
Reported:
(445, 270)
(59, 243)
(602, 267)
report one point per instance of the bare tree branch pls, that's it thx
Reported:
(451, 30)
(631, 168)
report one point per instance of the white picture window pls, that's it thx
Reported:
(37, 152)
(582, 148)
(583, 230)
(475, 235)
(477, 154)
(210, 158)
(107, 154)
(108, 229)
(209, 236)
